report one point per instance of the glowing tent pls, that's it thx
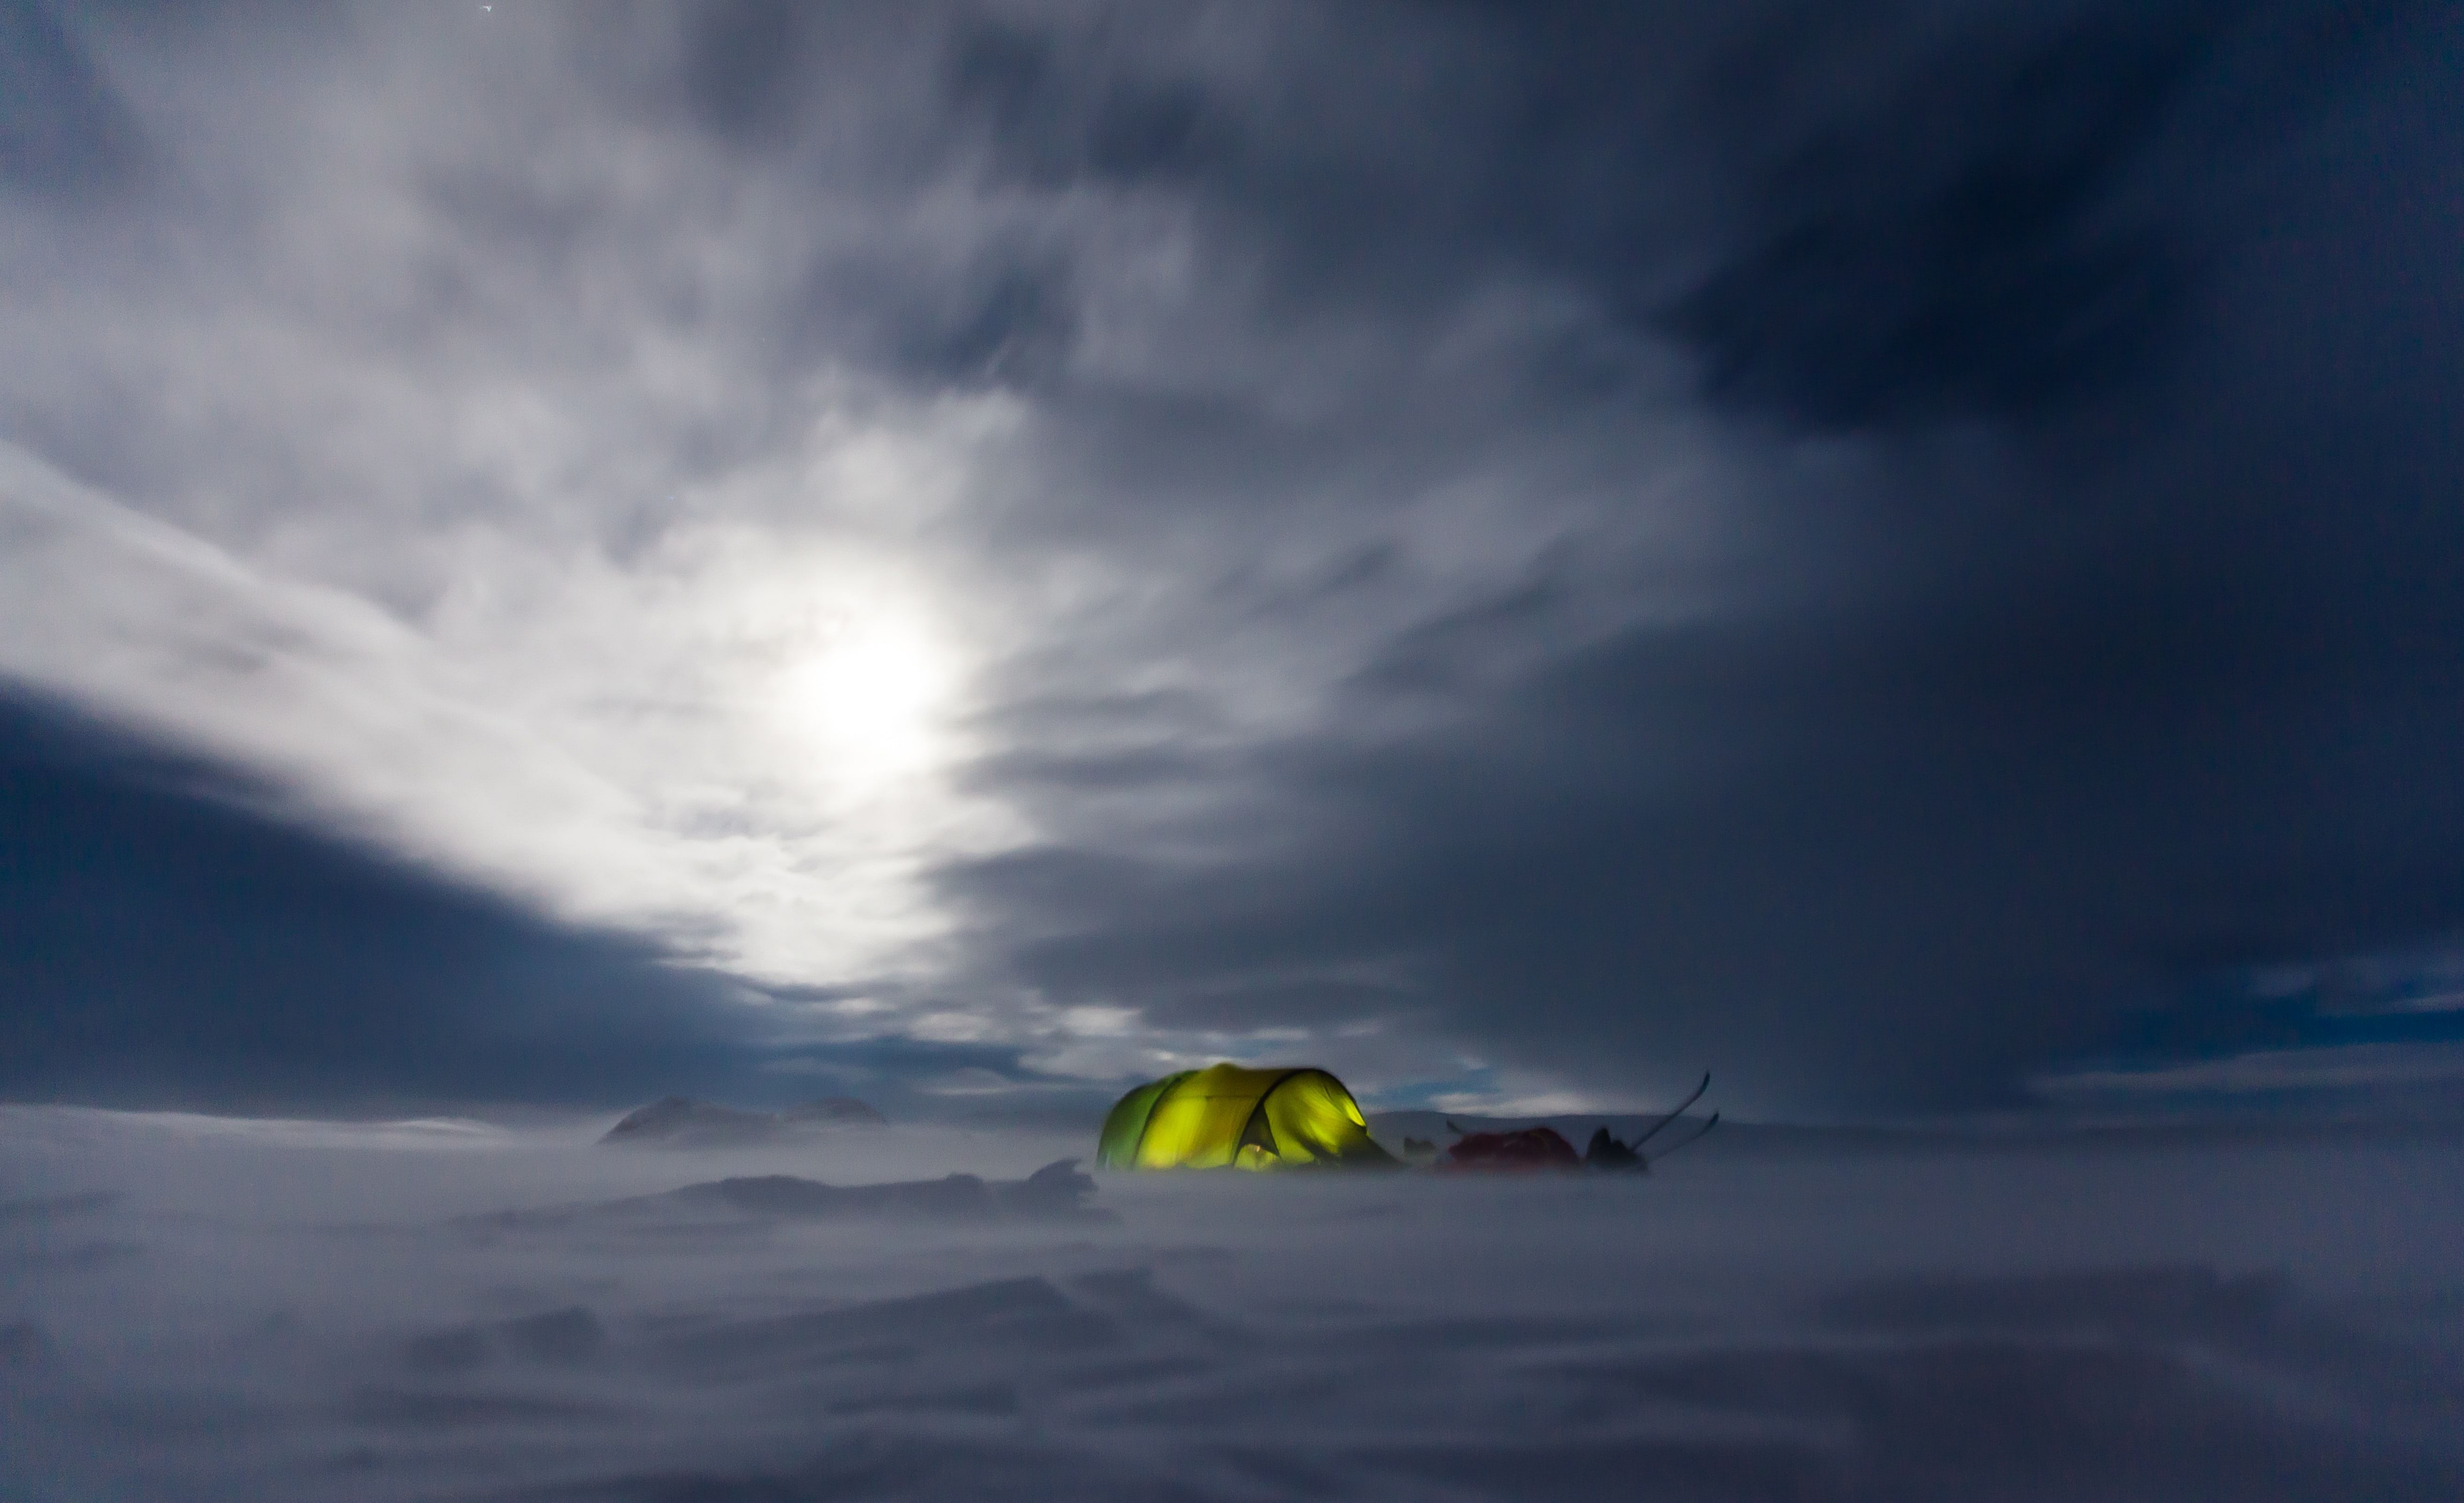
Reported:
(1227, 1117)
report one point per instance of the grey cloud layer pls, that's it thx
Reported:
(1849, 547)
(2080, 627)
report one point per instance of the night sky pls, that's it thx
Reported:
(1909, 556)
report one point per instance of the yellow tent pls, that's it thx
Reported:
(1228, 1116)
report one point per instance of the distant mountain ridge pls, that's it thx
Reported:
(683, 1122)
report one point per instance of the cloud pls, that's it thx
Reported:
(2358, 1070)
(63, 130)
(1953, 247)
(1872, 760)
(1860, 551)
(171, 932)
(161, 940)
(682, 740)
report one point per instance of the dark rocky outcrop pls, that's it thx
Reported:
(1057, 1190)
(836, 1111)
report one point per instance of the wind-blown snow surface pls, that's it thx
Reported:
(199, 1310)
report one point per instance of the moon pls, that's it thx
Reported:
(875, 696)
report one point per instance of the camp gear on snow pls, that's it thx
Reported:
(1540, 1147)
(1701, 1086)
(1607, 1153)
(1689, 1140)
(1532, 1148)
(1230, 1117)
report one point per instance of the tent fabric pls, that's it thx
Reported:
(1232, 1117)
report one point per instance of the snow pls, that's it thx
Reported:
(206, 1309)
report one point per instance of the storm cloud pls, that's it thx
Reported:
(1898, 554)
(161, 940)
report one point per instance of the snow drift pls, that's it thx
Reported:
(206, 1309)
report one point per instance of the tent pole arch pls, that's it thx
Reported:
(1258, 1128)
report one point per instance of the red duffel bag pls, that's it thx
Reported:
(1532, 1148)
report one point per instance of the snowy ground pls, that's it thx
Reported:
(198, 1310)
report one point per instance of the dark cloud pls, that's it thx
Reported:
(169, 936)
(1005, 318)
(743, 67)
(1953, 248)
(2016, 221)
(1055, 115)
(162, 942)
(63, 130)
(1870, 548)
(2019, 736)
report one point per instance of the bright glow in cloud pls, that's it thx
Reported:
(873, 696)
(744, 742)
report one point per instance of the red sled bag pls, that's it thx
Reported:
(1533, 1148)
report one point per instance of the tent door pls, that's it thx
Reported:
(1258, 1132)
